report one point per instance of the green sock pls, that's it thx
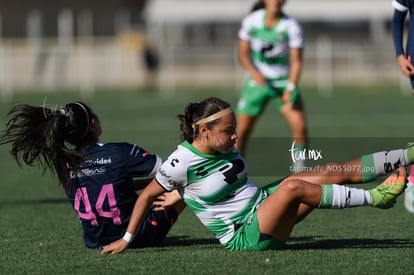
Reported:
(381, 163)
(300, 147)
(327, 196)
(368, 168)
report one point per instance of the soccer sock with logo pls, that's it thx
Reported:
(381, 163)
(340, 196)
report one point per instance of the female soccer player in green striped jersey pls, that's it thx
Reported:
(270, 50)
(211, 177)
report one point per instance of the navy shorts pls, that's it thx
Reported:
(155, 228)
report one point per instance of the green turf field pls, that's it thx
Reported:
(40, 234)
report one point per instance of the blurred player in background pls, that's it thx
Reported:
(211, 176)
(270, 50)
(149, 57)
(98, 178)
(405, 60)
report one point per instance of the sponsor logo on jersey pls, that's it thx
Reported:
(172, 183)
(92, 167)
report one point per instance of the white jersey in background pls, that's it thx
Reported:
(270, 47)
(215, 188)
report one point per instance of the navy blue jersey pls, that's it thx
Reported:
(102, 193)
(402, 8)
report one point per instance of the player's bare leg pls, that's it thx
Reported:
(245, 124)
(295, 116)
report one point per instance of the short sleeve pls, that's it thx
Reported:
(173, 173)
(244, 32)
(139, 162)
(295, 35)
(400, 5)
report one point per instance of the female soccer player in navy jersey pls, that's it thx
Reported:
(211, 177)
(405, 60)
(404, 57)
(98, 178)
(402, 8)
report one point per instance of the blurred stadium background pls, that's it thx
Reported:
(87, 45)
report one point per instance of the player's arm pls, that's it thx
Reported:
(295, 65)
(295, 70)
(141, 208)
(246, 62)
(397, 27)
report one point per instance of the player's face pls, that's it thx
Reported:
(274, 6)
(222, 136)
(96, 125)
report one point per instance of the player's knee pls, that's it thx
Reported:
(293, 187)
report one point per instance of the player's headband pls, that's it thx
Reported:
(213, 116)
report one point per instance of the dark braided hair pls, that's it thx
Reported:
(39, 135)
(196, 111)
(257, 6)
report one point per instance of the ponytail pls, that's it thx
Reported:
(38, 136)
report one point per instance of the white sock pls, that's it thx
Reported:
(346, 197)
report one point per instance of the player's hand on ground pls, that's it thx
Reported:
(115, 247)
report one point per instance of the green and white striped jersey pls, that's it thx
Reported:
(215, 187)
(270, 47)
